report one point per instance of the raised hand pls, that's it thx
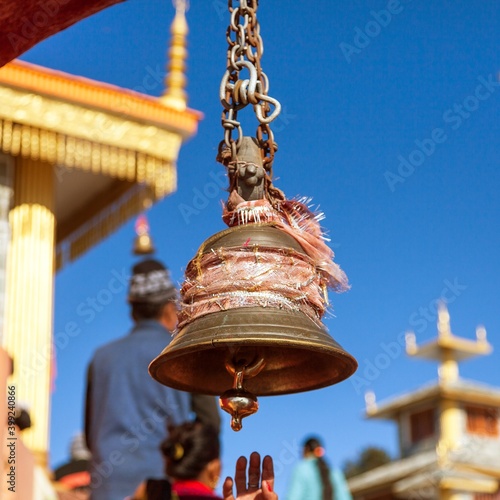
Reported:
(259, 486)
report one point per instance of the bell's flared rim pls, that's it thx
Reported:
(300, 355)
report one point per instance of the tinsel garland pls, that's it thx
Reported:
(254, 275)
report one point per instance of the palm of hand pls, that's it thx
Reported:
(253, 490)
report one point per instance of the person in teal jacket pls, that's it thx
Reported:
(313, 479)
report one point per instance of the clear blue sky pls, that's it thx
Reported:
(358, 109)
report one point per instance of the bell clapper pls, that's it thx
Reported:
(239, 402)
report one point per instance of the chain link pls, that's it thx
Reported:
(244, 53)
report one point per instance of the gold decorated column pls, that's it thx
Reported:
(449, 411)
(29, 308)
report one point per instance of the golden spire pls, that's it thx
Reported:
(175, 82)
(443, 324)
(448, 349)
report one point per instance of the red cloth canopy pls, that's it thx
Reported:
(24, 23)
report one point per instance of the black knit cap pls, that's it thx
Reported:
(151, 283)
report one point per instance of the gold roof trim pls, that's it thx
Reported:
(78, 123)
(461, 391)
(87, 92)
(67, 135)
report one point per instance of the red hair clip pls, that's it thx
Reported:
(319, 451)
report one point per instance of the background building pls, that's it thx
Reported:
(78, 158)
(449, 430)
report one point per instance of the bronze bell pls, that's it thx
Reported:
(263, 350)
(272, 351)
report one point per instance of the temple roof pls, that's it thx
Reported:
(448, 350)
(24, 23)
(468, 463)
(425, 472)
(465, 391)
(115, 150)
(388, 474)
(104, 96)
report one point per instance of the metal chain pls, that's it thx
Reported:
(245, 49)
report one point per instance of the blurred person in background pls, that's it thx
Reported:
(313, 479)
(193, 467)
(73, 477)
(127, 413)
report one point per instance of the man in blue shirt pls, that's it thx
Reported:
(127, 412)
